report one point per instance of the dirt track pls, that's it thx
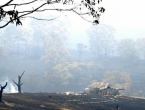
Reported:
(49, 101)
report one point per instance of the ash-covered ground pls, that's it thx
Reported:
(56, 101)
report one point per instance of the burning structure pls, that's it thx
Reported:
(102, 88)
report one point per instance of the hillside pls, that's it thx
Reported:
(52, 101)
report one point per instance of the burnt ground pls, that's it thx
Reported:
(51, 101)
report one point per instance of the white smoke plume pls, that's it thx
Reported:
(10, 87)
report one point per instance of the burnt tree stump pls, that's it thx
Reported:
(19, 84)
(1, 91)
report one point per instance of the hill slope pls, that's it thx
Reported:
(49, 101)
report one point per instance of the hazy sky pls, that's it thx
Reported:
(126, 16)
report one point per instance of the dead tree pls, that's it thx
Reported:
(1, 91)
(19, 84)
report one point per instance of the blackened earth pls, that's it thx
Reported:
(53, 101)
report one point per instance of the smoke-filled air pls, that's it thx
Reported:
(60, 52)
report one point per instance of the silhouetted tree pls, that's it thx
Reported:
(19, 84)
(11, 12)
(1, 91)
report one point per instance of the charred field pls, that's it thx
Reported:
(53, 101)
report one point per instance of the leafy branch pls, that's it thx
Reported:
(84, 8)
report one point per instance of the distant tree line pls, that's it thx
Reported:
(62, 69)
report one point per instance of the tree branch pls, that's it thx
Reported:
(14, 82)
(23, 15)
(41, 19)
(22, 3)
(14, 16)
(3, 87)
(32, 10)
(81, 16)
(22, 74)
(7, 3)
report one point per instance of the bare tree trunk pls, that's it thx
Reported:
(19, 84)
(1, 91)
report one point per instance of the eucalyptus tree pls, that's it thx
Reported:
(13, 11)
(127, 50)
(102, 42)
